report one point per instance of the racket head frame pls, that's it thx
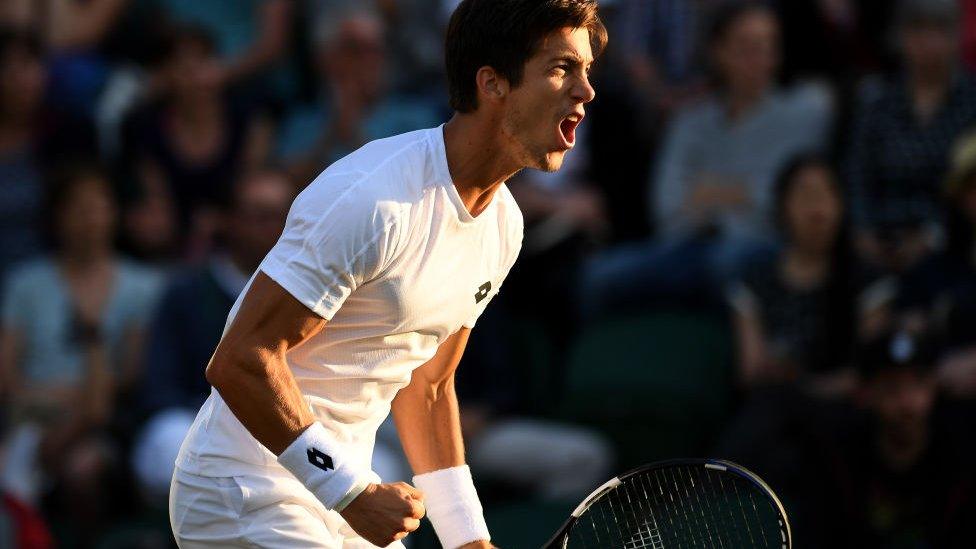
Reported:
(561, 538)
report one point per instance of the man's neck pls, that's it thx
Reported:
(477, 160)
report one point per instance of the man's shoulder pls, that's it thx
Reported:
(372, 186)
(381, 173)
(372, 159)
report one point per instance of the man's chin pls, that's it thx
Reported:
(552, 161)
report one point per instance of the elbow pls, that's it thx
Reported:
(227, 367)
(215, 372)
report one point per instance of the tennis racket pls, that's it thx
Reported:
(678, 503)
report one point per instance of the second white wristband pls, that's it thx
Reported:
(453, 506)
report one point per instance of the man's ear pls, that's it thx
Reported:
(491, 85)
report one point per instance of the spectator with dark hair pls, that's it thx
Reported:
(799, 314)
(70, 349)
(186, 149)
(712, 190)
(33, 136)
(909, 473)
(357, 103)
(660, 43)
(902, 136)
(72, 32)
(798, 317)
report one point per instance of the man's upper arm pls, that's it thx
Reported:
(270, 320)
(440, 368)
(338, 235)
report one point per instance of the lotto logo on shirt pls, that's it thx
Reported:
(482, 292)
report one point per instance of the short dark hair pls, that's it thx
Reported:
(504, 34)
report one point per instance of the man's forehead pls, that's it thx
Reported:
(568, 42)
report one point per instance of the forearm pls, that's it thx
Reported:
(428, 420)
(261, 391)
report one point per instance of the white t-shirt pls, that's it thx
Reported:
(381, 245)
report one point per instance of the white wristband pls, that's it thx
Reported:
(319, 462)
(453, 506)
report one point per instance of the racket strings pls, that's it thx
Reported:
(679, 507)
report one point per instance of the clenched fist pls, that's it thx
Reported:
(384, 513)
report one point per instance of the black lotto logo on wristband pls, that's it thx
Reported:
(320, 460)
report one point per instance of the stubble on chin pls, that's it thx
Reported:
(551, 162)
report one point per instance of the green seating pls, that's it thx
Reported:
(526, 524)
(659, 385)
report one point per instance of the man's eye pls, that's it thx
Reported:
(561, 70)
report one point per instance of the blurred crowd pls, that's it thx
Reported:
(790, 184)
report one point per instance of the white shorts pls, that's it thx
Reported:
(254, 510)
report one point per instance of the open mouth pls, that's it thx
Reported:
(567, 128)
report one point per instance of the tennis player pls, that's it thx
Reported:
(366, 302)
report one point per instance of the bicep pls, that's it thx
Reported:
(439, 370)
(269, 320)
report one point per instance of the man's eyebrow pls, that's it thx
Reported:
(571, 57)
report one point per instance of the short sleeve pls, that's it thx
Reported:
(338, 235)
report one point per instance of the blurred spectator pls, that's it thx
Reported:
(70, 350)
(64, 24)
(251, 40)
(184, 150)
(718, 163)
(712, 189)
(33, 136)
(357, 103)
(190, 320)
(193, 308)
(940, 293)
(72, 32)
(660, 40)
(902, 136)
(799, 315)
(414, 35)
(839, 42)
(909, 462)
